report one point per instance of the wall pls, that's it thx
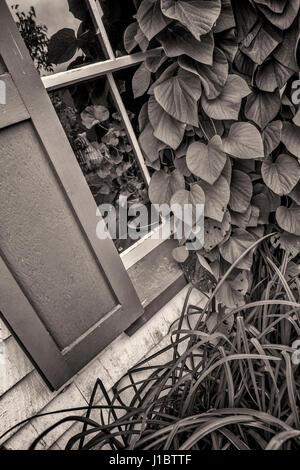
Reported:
(24, 394)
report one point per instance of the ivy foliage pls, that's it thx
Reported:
(219, 117)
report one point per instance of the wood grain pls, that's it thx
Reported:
(15, 367)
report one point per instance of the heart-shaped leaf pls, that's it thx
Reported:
(226, 18)
(206, 161)
(150, 18)
(129, 39)
(215, 232)
(261, 107)
(216, 198)
(277, 6)
(284, 19)
(178, 42)
(285, 53)
(92, 115)
(166, 128)
(180, 254)
(266, 39)
(244, 141)
(295, 194)
(230, 297)
(164, 185)
(287, 242)
(180, 164)
(239, 241)
(213, 77)
(262, 203)
(150, 145)
(178, 96)
(241, 191)
(272, 136)
(271, 75)
(288, 218)
(141, 81)
(227, 104)
(282, 175)
(196, 15)
(62, 46)
(291, 138)
(188, 205)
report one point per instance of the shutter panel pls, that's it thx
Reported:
(64, 293)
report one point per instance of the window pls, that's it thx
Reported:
(68, 142)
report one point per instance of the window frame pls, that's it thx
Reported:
(49, 359)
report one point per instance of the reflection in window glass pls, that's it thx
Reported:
(117, 15)
(100, 143)
(59, 34)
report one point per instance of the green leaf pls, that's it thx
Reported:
(230, 297)
(288, 218)
(227, 104)
(179, 41)
(206, 161)
(150, 18)
(261, 107)
(284, 19)
(282, 175)
(150, 145)
(92, 115)
(166, 128)
(272, 136)
(291, 138)
(62, 46)
(213, 77)
(244, 141)
(178, 96)
(241, 191)
(239, 241)
(164, 185)
(196, 15)
(141, 81)
(216, 198)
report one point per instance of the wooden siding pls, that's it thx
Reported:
(26, 394)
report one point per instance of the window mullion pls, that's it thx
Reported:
(97, 14)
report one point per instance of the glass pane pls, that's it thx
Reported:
(59, 34)
(102, 148)
(117, 15)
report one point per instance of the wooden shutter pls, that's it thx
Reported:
(64, 293)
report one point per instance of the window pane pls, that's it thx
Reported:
(59, 34)
(96, 133)
(117, 15)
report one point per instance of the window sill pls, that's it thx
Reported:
(157, 278)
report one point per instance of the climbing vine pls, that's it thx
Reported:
(219, 127)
